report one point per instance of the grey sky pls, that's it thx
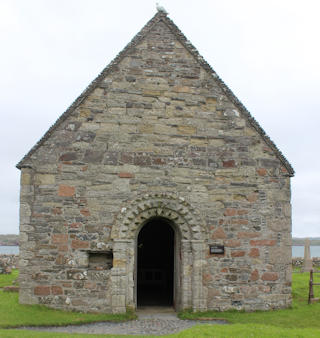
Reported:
(266, 51)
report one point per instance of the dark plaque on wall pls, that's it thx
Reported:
(216, 249)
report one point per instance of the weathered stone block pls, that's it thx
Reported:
(66, 191)
(125, 175)
(11, 288)
(254, 252)
(239, 253)
(219, 234)
(262, 171)
(232, 243)
(229, 164)
(92, 156)
(44, 179)
(270, 276)
(79, 244)
(263, 242)
(42, 290)
(247, 234)
(71, 156)
(56, 290)
(186, 130)
(254, 275)
(230, 212)
(59, 238)
(25, 178)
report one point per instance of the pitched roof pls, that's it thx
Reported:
(160, 16)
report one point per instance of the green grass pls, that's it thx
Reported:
(245, 330)
(302, 320)
(300, 315)
(216, 331)
(13, 314)
(6, 280)
(227, 331)
(37, 334)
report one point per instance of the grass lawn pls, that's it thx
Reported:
(302, 320)
(8, 279)
(226, 331)
(13, 314)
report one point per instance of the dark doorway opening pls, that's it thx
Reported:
(155, 263)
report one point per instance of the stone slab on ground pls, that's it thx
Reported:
(11, 288)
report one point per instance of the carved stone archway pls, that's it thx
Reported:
(193, 237)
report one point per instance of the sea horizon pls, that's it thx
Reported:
(297, 250)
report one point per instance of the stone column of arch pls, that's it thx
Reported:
(198, 295)
(186, 271)
(192, 234)
(119, 272)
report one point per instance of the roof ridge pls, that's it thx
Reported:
(161, 16)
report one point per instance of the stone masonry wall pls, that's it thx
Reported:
(157, 123)
(298, 261)
(8, 262)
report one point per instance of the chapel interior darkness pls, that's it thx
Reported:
(155, 263)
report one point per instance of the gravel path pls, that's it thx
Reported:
(147, 324)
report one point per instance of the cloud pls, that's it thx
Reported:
(266, 52)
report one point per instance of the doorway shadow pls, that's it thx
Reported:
(155, 264)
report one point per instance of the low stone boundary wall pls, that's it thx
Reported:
(298, 261)
(8, 262)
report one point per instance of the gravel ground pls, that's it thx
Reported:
(148, 323)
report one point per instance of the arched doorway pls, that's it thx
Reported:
(155, 263)
(190, 250)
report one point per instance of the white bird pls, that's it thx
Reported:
(161, 8)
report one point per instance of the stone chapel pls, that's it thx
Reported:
(156, 187)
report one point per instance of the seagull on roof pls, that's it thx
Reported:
(161, 8)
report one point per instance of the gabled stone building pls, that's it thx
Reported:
(156, 187)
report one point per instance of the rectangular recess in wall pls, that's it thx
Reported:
(100, 260)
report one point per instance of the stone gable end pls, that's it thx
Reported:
(157, 137)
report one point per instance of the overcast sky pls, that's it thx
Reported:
(266, 51)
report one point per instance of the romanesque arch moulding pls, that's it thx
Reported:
(193, 236)
(168, 205)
